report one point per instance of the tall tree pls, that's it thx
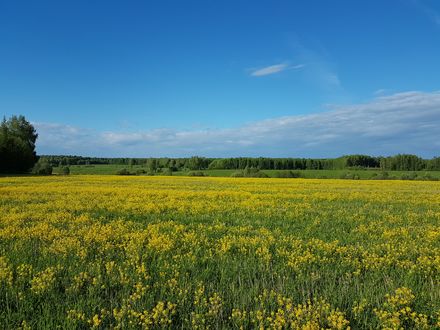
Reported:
(17, 145)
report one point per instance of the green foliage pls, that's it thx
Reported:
(433, 164)
(196, 163)
(65, 170)
(196, 173)
(287, 174)
(380, 176)
(409, 176)
(17, 145)
(152, 165)
(428, 177)
(352, 162)
(349, 176)
(42, 167)
(123, 171)
(362, 161)
(249, 173)
(167, 171)
(237, 174)
(403, 163)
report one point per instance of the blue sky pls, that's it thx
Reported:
(224, 78)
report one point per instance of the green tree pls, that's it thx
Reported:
(42, 167)
(17, 145)
(65, 170)
(152, 164)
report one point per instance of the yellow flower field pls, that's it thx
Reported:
(209, 253)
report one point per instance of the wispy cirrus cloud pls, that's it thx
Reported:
(321, 70)
(399, 123)
(380, 92)
(272, 69)
(428, 10)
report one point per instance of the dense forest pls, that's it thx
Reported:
(401, 162)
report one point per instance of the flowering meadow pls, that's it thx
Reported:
(79, 252)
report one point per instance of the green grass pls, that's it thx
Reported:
(98, 169)
(308, 174)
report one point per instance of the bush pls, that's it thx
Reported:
(140, 171)
(287, 174)
(65, 170)
(349, 176)
(428, 177)
(260, 175)
(42, 168)
(167, 171)
(409, 176)
(346, 176)
(380, 176)
(123, 171)
(249, 173)
(254, 173)
(238, 174)
(196, 173)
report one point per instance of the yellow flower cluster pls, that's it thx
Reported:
(44, 280)
(398, 314)
(317, 314)
(6, 275)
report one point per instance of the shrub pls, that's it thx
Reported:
(238, 174)
(409, 176)
(65, 170)
(196, 173)
(287, 174)
(42, 168)
(428, 177)
(167, 171)
(349, 176)
(123, 171)
(249, 173)
(381, 176)
(258, 175)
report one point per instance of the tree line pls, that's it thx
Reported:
(400, 162)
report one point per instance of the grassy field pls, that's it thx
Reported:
(220, 253)
(310, 174)
(98, 169)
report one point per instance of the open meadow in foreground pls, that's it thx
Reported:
(179, 252)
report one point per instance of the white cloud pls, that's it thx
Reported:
(298, 66)
(275, 69)
(380, 91)
(399, 123)
(269, 70)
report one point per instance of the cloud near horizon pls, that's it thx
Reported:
(400, 123)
